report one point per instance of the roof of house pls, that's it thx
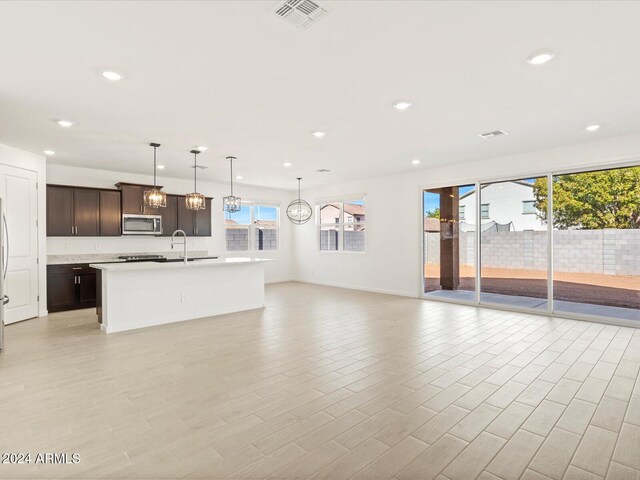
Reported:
(431, 224)
(350, 208)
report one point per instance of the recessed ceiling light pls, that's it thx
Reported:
(318, 134)
(592, 128)
(49, 152)
(287, 164)
(415, 162)
(113, 76)
(65, 123)
(202, 148)
(160, 167)
(239, 177)
(540, 58)
(402, 105)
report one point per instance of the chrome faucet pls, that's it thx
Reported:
(184, 243)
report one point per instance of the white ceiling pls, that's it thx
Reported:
(232, 76)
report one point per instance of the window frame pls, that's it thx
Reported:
(252, 227)
(533, 205)
(340, 224)
(482, 213)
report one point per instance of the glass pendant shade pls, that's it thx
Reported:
(299, 211)
(195, 200)
(155, 198)
(231, 203)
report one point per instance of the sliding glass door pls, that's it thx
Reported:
(566, 243)
(596, 243)
(513, 243)
(449, 244)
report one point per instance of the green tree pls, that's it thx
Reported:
(592, 200)
(435, 213)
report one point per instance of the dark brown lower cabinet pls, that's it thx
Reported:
(70, 287)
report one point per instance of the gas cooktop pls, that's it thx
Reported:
(141, 258)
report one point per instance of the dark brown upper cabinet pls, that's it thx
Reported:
(110, 213)
(170, 215)
(79, 211)
(86, 212)
(60, 211)
(133, 199)
(194, 223)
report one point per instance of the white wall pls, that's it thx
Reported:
(37, 163)
(279, 270)
(505, 206)
(392, 260)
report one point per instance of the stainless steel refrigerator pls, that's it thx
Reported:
(4, 261)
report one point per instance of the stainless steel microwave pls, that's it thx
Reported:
(141, 224)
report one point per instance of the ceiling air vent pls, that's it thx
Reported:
(300, 13)
(323, 170)
(495, 133)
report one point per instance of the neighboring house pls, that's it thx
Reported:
(503, 203)
(330, 213)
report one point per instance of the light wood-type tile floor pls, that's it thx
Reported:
(329, 384)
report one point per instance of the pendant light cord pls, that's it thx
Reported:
(231, 162)
(155, 168)
(195, 172)
(299, 187)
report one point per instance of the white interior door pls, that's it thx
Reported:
(18, 187)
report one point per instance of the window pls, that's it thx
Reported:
(254, 227)
(342, 226)
(528, 207)
(461, 212)
(484, 210)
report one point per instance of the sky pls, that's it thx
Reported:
(432, 200)
(260, 213)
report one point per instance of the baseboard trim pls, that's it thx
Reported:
(362, 289)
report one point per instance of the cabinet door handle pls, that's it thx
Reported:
(75, 279)
(77, 268)
(79, 279)
(72, 232)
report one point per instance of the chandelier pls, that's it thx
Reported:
(195, 200)
(155, 198)
(230, 203)
(299, 211)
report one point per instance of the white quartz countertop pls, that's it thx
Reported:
(112, 257)
(138, 266)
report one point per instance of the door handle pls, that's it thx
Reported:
(6, 231)
(77, 268)
(5, 299)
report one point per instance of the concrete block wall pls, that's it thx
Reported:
(269, 238)
(237, 239)
(609, 252)
(353, 241)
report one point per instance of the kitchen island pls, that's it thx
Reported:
(137, 295)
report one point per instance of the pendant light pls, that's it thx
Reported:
(231, 204)
(299, 211)
(195, 200)
(155, 198)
